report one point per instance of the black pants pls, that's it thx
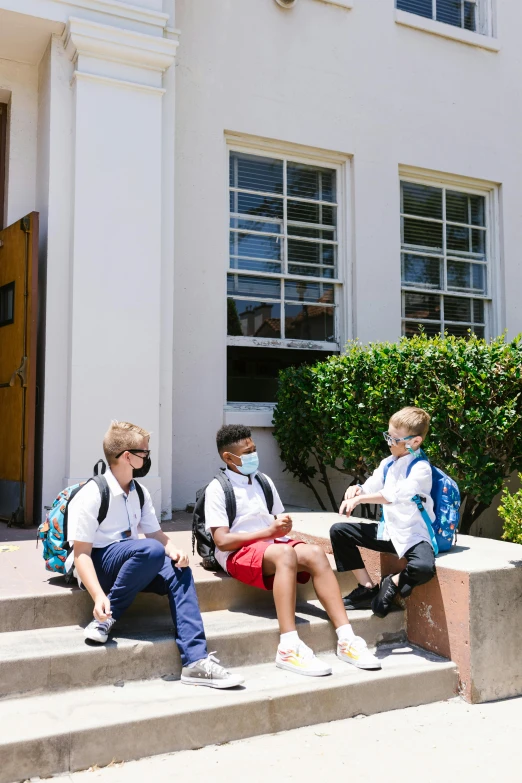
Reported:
(347, 536)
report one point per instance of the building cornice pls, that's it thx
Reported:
(121, 10)
(104, 42)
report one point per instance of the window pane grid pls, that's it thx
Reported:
(446, 288)
(459, 13)
(298, 257)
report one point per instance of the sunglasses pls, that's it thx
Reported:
(145, 453)
(395, 441)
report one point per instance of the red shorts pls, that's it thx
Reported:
(246, 565)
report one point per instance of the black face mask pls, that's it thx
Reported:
(140, 472)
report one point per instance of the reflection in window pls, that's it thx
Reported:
(444, 252)
(459, 13)
(282, 280)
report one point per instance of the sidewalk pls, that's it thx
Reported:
(450, 741)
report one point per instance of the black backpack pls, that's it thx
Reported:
(201, 538)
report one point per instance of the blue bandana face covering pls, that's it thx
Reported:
(249, 464)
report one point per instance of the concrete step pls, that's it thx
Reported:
(59, 658)
(56, 733)
(30, 598)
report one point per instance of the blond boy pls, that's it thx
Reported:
(403, 531)
(114, 564)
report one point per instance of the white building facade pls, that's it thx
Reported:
(227, 187)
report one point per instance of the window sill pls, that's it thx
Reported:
(348, 4)
(446, 31)
(251, 414)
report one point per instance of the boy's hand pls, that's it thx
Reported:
(347, 506)
(179, 557)
(352, 492)
(102, 608)
(281, 526)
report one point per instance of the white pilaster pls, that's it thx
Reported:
(116, 249)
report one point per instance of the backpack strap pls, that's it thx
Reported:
(105, 495)
(267, 490)
(97, 468)
(387, 467)
(424, 514)
(420, 458)
(141, 494)
(230, 498)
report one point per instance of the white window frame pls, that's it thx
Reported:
(343, 320)
(484, 11)
(493, 301)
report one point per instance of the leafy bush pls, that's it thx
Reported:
(510, 510)
(332, 414)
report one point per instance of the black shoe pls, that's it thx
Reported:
(361, 597)
(382, 603)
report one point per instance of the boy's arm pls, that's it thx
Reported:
(85, 567)
(418, 483)
(369, 492)
(228, 541)
(216, 520)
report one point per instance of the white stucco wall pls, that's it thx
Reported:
(19, 88)
(347, 81)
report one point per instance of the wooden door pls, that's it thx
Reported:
(18, 321)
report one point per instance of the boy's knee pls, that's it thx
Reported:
(337, 529)
(312, 556)
(422, 572)
(340, 530)
(153, 550)
(286, 557)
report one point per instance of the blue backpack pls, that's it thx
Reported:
(446, 505)
(53, 530)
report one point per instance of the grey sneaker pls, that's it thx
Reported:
(99, 631)
(209, 672)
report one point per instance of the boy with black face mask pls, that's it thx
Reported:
(114, 564)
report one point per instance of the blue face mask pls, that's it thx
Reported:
(249, 464)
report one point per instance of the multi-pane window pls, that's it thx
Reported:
(283, 274)
(468, 14)
(444, 260)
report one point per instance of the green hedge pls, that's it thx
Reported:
(332, 414)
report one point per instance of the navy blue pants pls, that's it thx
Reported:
(127, 568)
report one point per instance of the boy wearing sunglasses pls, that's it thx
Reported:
(402, 530)
(114, 564)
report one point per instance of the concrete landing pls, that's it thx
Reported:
(55, 733)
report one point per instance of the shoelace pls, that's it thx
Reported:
(305, 651)
(211, 665)
(106, 625)
(357, 642)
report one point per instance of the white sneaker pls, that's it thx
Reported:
(301, 660)
(356, 651)
(99, 631)
(209, 672)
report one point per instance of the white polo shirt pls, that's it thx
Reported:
(252, 512)
(124, 515)
(404, 525)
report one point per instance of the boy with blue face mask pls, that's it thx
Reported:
(256, 550)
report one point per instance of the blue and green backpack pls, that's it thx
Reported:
(53, 530)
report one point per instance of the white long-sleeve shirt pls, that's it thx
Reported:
(404, 525)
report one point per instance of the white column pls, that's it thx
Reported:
(116, 249)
